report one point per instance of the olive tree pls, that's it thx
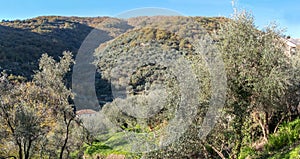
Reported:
(37, 118)
(259, 75)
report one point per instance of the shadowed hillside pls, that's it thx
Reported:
(23, 42)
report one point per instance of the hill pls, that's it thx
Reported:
(23, 41)
(150, 93)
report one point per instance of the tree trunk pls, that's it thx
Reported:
(240, 118)
(240, 136)
(267, 124)
(27, 152)
(263, 128)
(66, 139)
(218, 152)
(20, 150)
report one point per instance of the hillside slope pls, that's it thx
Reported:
(23, 41)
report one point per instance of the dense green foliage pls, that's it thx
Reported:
(291, 154)
(282, 144)
(287, 134)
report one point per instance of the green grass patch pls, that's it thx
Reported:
(110, 144)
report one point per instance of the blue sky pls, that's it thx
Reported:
(286, 13)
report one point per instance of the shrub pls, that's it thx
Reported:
(245, 152)
(288, 133)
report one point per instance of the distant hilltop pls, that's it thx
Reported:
(297, 42)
